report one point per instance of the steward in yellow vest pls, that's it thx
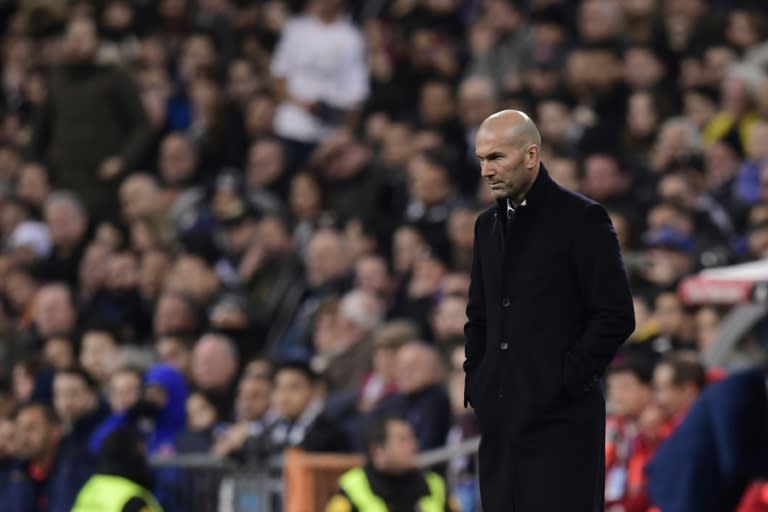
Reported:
(110, 493)
(122, 479)
(391, 480)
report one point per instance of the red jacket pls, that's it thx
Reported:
(755, 498)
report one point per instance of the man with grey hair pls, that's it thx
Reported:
(421, 396)
(326, 266)
(215, 364)
(347, 356)
(678, 136)
(139, 197)
(68, 225)
(54, 314)
(478, 98)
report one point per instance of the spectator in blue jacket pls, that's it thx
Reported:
(49, 475)
(421, 398)
(721, 445)
(166, 389)
(78, 405)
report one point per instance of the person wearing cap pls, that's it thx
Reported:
(670, 255)
(549, 307)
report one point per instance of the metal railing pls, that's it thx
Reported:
(206, 483)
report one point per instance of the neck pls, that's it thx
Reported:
(392, 472)
(328, 16)
(518, 199)
(45, 458)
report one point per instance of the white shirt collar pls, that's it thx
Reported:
(512, 208)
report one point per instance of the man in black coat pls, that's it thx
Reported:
(549, 306)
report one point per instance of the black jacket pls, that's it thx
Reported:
(549, 307)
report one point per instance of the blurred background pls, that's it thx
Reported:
(246, 226)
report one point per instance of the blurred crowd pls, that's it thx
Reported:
(248, 224)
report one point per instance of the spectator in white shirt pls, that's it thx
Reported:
(320, 72)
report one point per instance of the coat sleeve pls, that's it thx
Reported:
(37, 149)
(474, 329)
(139, 134)
(607, 299)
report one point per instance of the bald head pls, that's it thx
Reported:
(507, 145)
(139, 196)
(214, 362)
(417, 366)
(515, 126)
(477, 100)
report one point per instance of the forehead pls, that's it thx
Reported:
(30, 415)
(398, 428)
(254, 386)
(492, 139)
(663, 372)
(289, 376)
(126, 377)
(68, 380)
(624, 377)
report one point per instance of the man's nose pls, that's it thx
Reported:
(486, 169)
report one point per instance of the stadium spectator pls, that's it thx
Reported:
(98, 349)
(390, 476)
(68, 223)
(318, 90)
(164, 402)
(48, 477)
(253, 414)
(122, 477)
(59, 353)
(175, 351)
(7, 450)
(343, 356)
(203, 424)
(139, 196)
(421, 398)
(678, 380)
(710, 458)
(90, 138)
(175, 314)
(298, 402)
(380, 382)
(215, 365)
(629, 396)
(78, 403)
(54, 313)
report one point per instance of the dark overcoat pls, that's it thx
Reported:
(549, 306)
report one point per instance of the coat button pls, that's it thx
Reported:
(503, 345)
(506, 302)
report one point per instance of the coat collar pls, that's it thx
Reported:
(536, 194)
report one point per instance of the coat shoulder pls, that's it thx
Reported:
(571, 201)
(487, 215)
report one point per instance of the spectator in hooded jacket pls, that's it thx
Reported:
(166, 390)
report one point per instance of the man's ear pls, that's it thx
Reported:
(532, 156)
